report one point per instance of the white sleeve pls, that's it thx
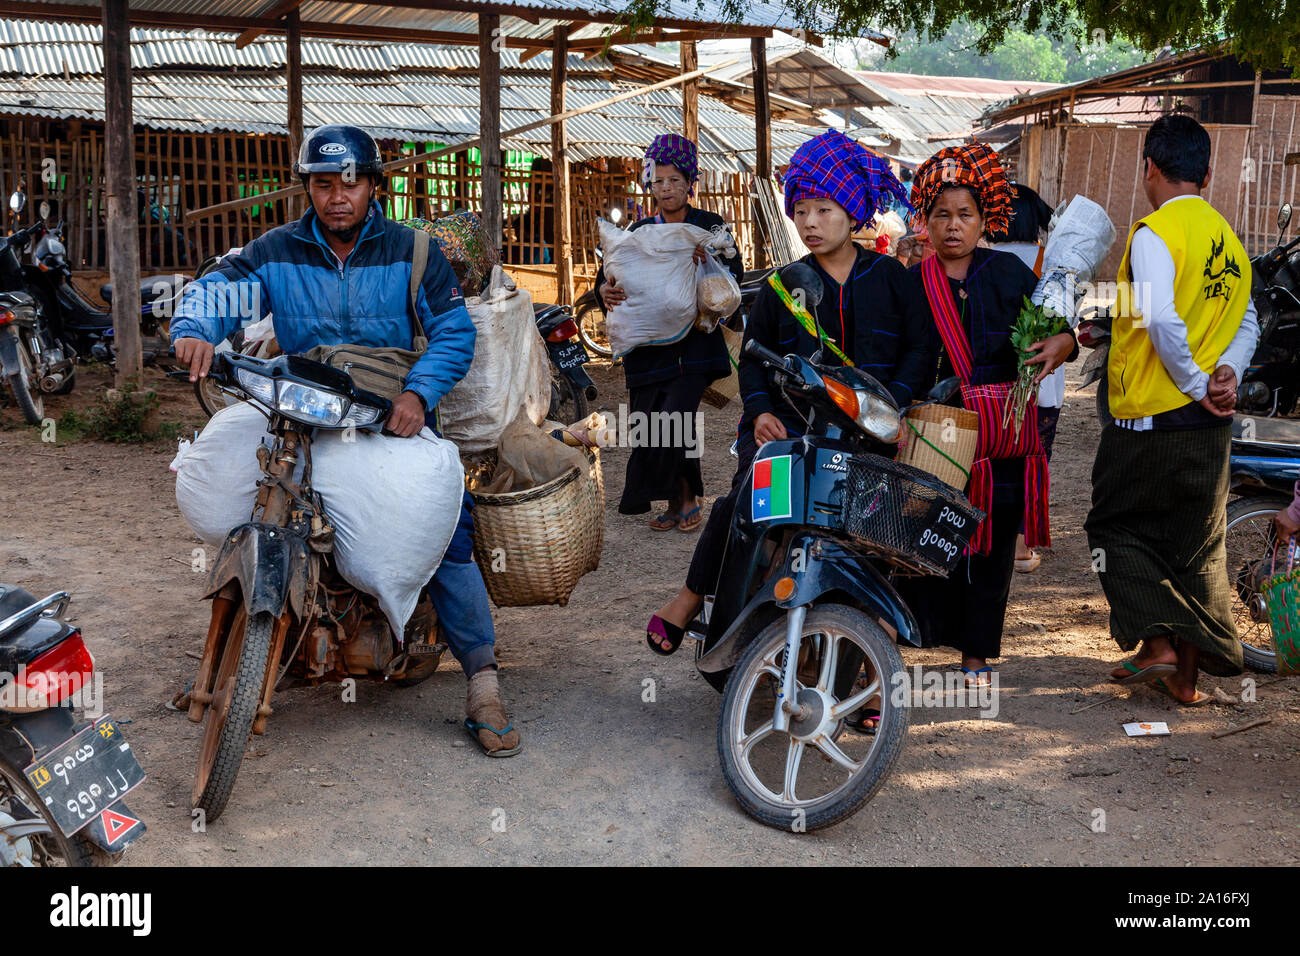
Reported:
(1242, 347)
(1153, 296)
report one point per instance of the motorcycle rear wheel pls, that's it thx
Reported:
(591, 329)
(1249, 541)
(568, 401)
(26, 389)
(228, 723)
(751, 689)
(52, 848)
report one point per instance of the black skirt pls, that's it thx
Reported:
(656, 473)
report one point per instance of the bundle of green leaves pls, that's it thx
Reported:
(1033, 324)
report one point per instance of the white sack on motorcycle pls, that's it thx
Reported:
(511, 371)
(394, 501)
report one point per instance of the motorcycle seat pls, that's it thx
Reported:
(153, 289)
(1278, 431)
(16, 300)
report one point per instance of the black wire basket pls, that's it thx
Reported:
(907, 515)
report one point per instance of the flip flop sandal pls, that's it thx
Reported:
(659, 630)
(976, 675)
(473, 727)
(664, 522)
(1200, 700)
(1143, 675)
(685, 524)
(866, 721)
(1030, 564)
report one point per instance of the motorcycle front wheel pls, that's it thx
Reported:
(591, 328)
(228, 723)
(1249, 542)
(818, 773)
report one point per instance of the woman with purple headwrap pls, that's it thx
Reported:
(670, 378)
(870, 311)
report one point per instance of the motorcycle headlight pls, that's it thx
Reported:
(258, 386)
(878, 418)
(310, 405)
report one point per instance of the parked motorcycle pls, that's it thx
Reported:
(61, 780)
(571, 386)
(280, 608)
(86, 330)
(33, 361)
(1271, 386)
(804, 604)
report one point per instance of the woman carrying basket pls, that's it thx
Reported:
(670, 379)
(974, 295)
(869, 314)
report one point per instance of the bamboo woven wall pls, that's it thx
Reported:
(1266, 181)
(179, 171)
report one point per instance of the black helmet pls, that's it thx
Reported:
(333, 149)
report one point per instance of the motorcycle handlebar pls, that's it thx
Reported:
(765, 355)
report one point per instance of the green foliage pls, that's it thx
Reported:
(1264, 35)
(122, 418)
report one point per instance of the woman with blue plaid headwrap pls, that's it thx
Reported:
(870, 312)
(670, 378)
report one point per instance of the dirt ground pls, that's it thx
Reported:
(605, 778)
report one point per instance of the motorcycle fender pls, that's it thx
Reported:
(270, 564)
(25, 738)
(9, 362)
(818, 566)
(826, 566)
(95, 832)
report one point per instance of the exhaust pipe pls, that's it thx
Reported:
(51, 382)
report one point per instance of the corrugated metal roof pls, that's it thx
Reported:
(421, 107)
(43, 48)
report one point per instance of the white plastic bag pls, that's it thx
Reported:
(511, 371)
(655, 266)
(394, 502)
(717, 294)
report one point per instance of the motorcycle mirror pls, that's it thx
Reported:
(44, 210)
(944, 390)
(800, 275)
(18, 201)
(1284, 216)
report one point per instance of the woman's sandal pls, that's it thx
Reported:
(1200, 700)
(973, 677)
(659, 630)
(684, 522)
(866, 721)
(664, 522)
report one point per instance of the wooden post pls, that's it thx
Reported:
(560, 207)
(489, 100)
(293, 67)
(690, 93)
(120, 186)
(762, 138)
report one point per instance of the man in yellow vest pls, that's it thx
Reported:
(1184, 331)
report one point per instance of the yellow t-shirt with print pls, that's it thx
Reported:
(1211, 292)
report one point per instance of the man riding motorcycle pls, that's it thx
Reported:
(341, 275)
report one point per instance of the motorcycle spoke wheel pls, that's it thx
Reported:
(815, 774)
(1249, 544)
(48, 846)
(592, 330)
(236, 695)
(26, 389)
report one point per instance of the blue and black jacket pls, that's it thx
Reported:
(293, 275)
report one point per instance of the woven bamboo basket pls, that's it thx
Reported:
(725, 389)
(532, 546)
(940, 439)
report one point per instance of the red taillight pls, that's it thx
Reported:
(6, 317)
(563, 332)
(61, 671)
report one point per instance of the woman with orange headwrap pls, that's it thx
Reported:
(974, 296)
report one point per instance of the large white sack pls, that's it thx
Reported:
(394, 502)
(655, 266)
(216, 479)
(511, 371)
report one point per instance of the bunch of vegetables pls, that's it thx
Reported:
(1033, 324)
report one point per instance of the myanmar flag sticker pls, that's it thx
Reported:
(771, 495)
